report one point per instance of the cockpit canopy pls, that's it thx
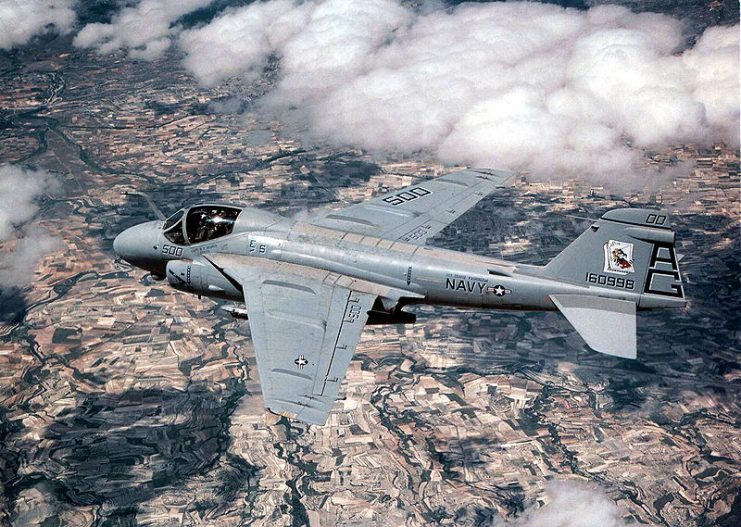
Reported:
(200, 223)
(173, 228)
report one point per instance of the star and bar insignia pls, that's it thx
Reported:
(498, 290)
(301, 362)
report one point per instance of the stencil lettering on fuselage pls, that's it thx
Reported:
(465, 285)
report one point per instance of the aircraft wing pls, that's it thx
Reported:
(305, 325)
(418, 211)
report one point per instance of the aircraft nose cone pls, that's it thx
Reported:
(125, 244)
(135, 244)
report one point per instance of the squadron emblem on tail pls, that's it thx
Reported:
(618, 257)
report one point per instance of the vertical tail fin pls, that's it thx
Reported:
(629, 252)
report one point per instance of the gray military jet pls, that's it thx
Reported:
(310, 286)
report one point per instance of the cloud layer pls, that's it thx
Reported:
(21, 248)
(21, 20)
(570, 504)
(519, 85)
(144, 30)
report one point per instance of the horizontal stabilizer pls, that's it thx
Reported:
(606, 324)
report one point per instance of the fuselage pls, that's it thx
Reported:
(429, 275)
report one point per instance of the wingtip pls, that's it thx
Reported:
(501, 177)
(627, 352)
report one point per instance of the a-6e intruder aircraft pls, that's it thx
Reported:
(310, 286)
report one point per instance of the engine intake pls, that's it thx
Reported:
(201, 277)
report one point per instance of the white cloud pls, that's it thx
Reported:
(239, 41)
(21, 20)
(144, 30)
(19, 189)
(570, 504)
(17, 267)
(21, 248)
(336, 44)
(714, 62)
(526, 86)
